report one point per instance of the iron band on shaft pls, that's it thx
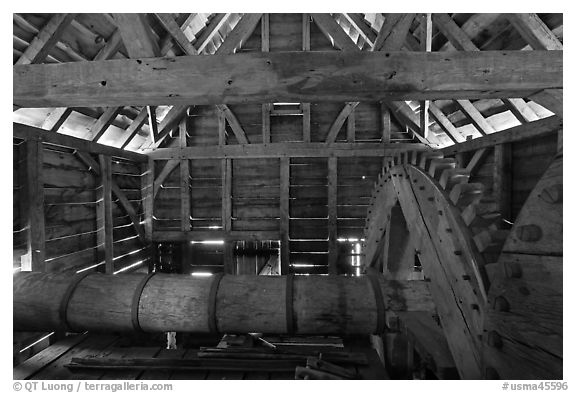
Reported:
(213, 323)
(63, 311)
(136, 302)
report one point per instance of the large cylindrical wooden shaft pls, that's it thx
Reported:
(227, 304)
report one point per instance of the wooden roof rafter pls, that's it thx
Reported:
(46, 39)
(350, 27)
(231, 43)
(390, 40)
(459, 39)
(539, 37)
(112, 45)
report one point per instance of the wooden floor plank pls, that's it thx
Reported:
(163, 374)
(128, 353)
(189, 374)
(93, 345)
(36, 363)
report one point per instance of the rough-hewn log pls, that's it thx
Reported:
(288, 76)
(320, 304)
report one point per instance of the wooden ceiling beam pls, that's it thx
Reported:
(176, 112)
(43, 43)
(291, 76)
(287, 149)
(140, 42)
(534, 31)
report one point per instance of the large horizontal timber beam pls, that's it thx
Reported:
(288, 149)
(292, 76)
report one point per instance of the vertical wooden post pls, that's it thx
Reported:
(265, 22)
(221, 128)
(332, 215)
(152, 123)
(104, 219)
(306, 122)
(148, 207)
(385, 119)
(351, 128)
(284, 215)
(184, 181)
(184, 192)
(266, 108)
(306, 32)
(148, 198)
(32, 207)
(229, 265)
(306, 105)
(502, 179)
(426, 46)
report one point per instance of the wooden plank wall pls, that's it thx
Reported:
(70, 211)
(256, 182)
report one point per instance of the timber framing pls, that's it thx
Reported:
(227, 236)
(26, 132)
(533, 129)
(286, 149)
(290, 76)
